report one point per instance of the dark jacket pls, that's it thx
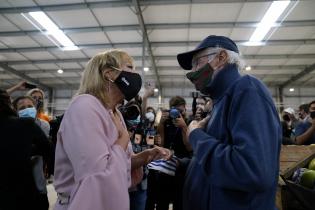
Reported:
(236, 158)
(21, 138)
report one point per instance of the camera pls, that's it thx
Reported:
(130, 111)
(174, 113)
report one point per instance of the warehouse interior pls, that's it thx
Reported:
(153, 32)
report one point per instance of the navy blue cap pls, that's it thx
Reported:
(185, 59)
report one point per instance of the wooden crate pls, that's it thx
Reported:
(292, 157)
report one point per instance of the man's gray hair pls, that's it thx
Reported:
(233, 57)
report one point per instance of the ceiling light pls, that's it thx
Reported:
(271, 16)
(156, 90)
(253, 43)
(146, 69)
(52, 30)
(60, 71)
(248, 68)
(291, 89)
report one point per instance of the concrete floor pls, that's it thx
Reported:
(52, 197)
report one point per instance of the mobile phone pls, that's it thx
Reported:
(150, 140)
(138, 138)
(150, 137)
(29, 86)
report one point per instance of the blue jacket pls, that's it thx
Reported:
(301, 128)
(236, 157)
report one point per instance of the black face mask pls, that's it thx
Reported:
(129, 84)
(201, 78)
(39, 103)
(312, 114)
(286, 118)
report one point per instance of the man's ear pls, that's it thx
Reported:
(220, 60)
(223, 56)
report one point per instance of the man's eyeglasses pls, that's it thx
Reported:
(195, 61)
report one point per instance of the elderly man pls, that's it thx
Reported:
(236, 150)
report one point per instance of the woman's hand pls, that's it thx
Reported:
(157, 153)
(123, 135)
(180, 122)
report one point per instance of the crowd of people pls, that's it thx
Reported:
(299, 128)
(105, 153)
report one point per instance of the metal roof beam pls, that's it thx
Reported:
(155, 44)
(109, 4)
(148, 43)
(298, 76)
(68, 31)
(138, 58)
(65, 7)
(179, 85)
(152, 76)
(165, 85)
(23, 76)
(162, 68)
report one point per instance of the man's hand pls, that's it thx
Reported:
(180, 122)
(197, 124)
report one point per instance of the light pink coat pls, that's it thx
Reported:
(89, 167)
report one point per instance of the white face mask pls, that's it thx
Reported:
(150, 116)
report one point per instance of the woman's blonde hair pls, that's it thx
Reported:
(92, 81)
(35, 90)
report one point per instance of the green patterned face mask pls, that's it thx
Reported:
(201, 78)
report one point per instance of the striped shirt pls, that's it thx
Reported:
(164, 166)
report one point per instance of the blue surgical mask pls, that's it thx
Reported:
(134, 122)
(28, 112)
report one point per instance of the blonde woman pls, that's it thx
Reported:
(38, 95)
(94, 157)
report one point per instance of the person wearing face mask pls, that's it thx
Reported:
(25, 106)
(38, 96)
(305, 130)
(164, 188)
(303, 112)
(150, 116)
(22, 141)
(198, 108)
(236, 149)
(139, 130)
(94, 162)
(288, 123)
